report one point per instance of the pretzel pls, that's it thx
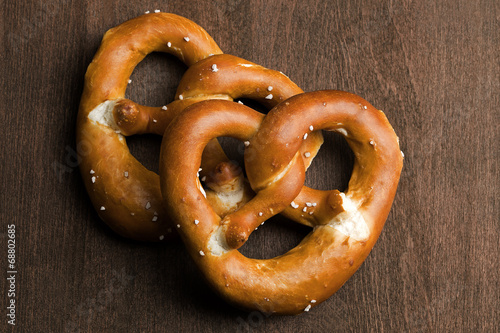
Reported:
(124, 193)
(346, 225)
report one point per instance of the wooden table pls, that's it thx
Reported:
(433, 67)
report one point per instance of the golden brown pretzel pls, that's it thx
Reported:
(125, 194)
(346, 225)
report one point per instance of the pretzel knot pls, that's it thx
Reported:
(345, 225)
(125, 194)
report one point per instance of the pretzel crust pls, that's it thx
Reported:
(346, 225)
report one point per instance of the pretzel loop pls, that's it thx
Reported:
(346, 224)
(377, 158)
(125, 194)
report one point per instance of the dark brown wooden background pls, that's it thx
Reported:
(432, 66)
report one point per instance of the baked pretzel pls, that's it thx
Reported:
(346, 225)
(125, 194)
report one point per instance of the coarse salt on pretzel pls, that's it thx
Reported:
(235, 78)
(125, 194)
(346, 225)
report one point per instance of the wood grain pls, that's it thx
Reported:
(433, 67)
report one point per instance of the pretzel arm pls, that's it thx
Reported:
(227, 75)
